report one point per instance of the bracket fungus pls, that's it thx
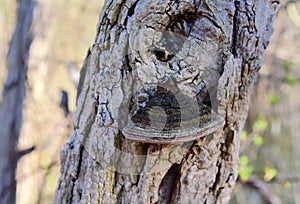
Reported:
(167, 117)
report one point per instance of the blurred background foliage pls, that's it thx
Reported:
(64, 30)
(270, 142)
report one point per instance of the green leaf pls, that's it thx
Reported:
(274, 100)
(243, 135)
(269, 173)
(290, 80)
(286, 65)
(243, 160)
(258, 140)
(260, 124)
(245, 172)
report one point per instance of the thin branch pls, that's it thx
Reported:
(262, 189)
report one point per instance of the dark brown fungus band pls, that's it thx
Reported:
(171, 118)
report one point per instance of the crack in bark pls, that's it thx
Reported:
(132, 8)
(171, 179)
(78, 167)
(234, 29)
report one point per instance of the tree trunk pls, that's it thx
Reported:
(208, 52)
(12, 104)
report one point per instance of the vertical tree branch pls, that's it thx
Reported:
(13, 97)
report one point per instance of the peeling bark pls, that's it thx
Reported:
(213, 58)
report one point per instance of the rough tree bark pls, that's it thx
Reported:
(100, 165)
(12, 104)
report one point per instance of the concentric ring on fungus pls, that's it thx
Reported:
(171, 118)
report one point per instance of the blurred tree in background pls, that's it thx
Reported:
(11, 112)
(270, 144)
(56, 28)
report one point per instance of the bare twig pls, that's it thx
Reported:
(262, 189)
